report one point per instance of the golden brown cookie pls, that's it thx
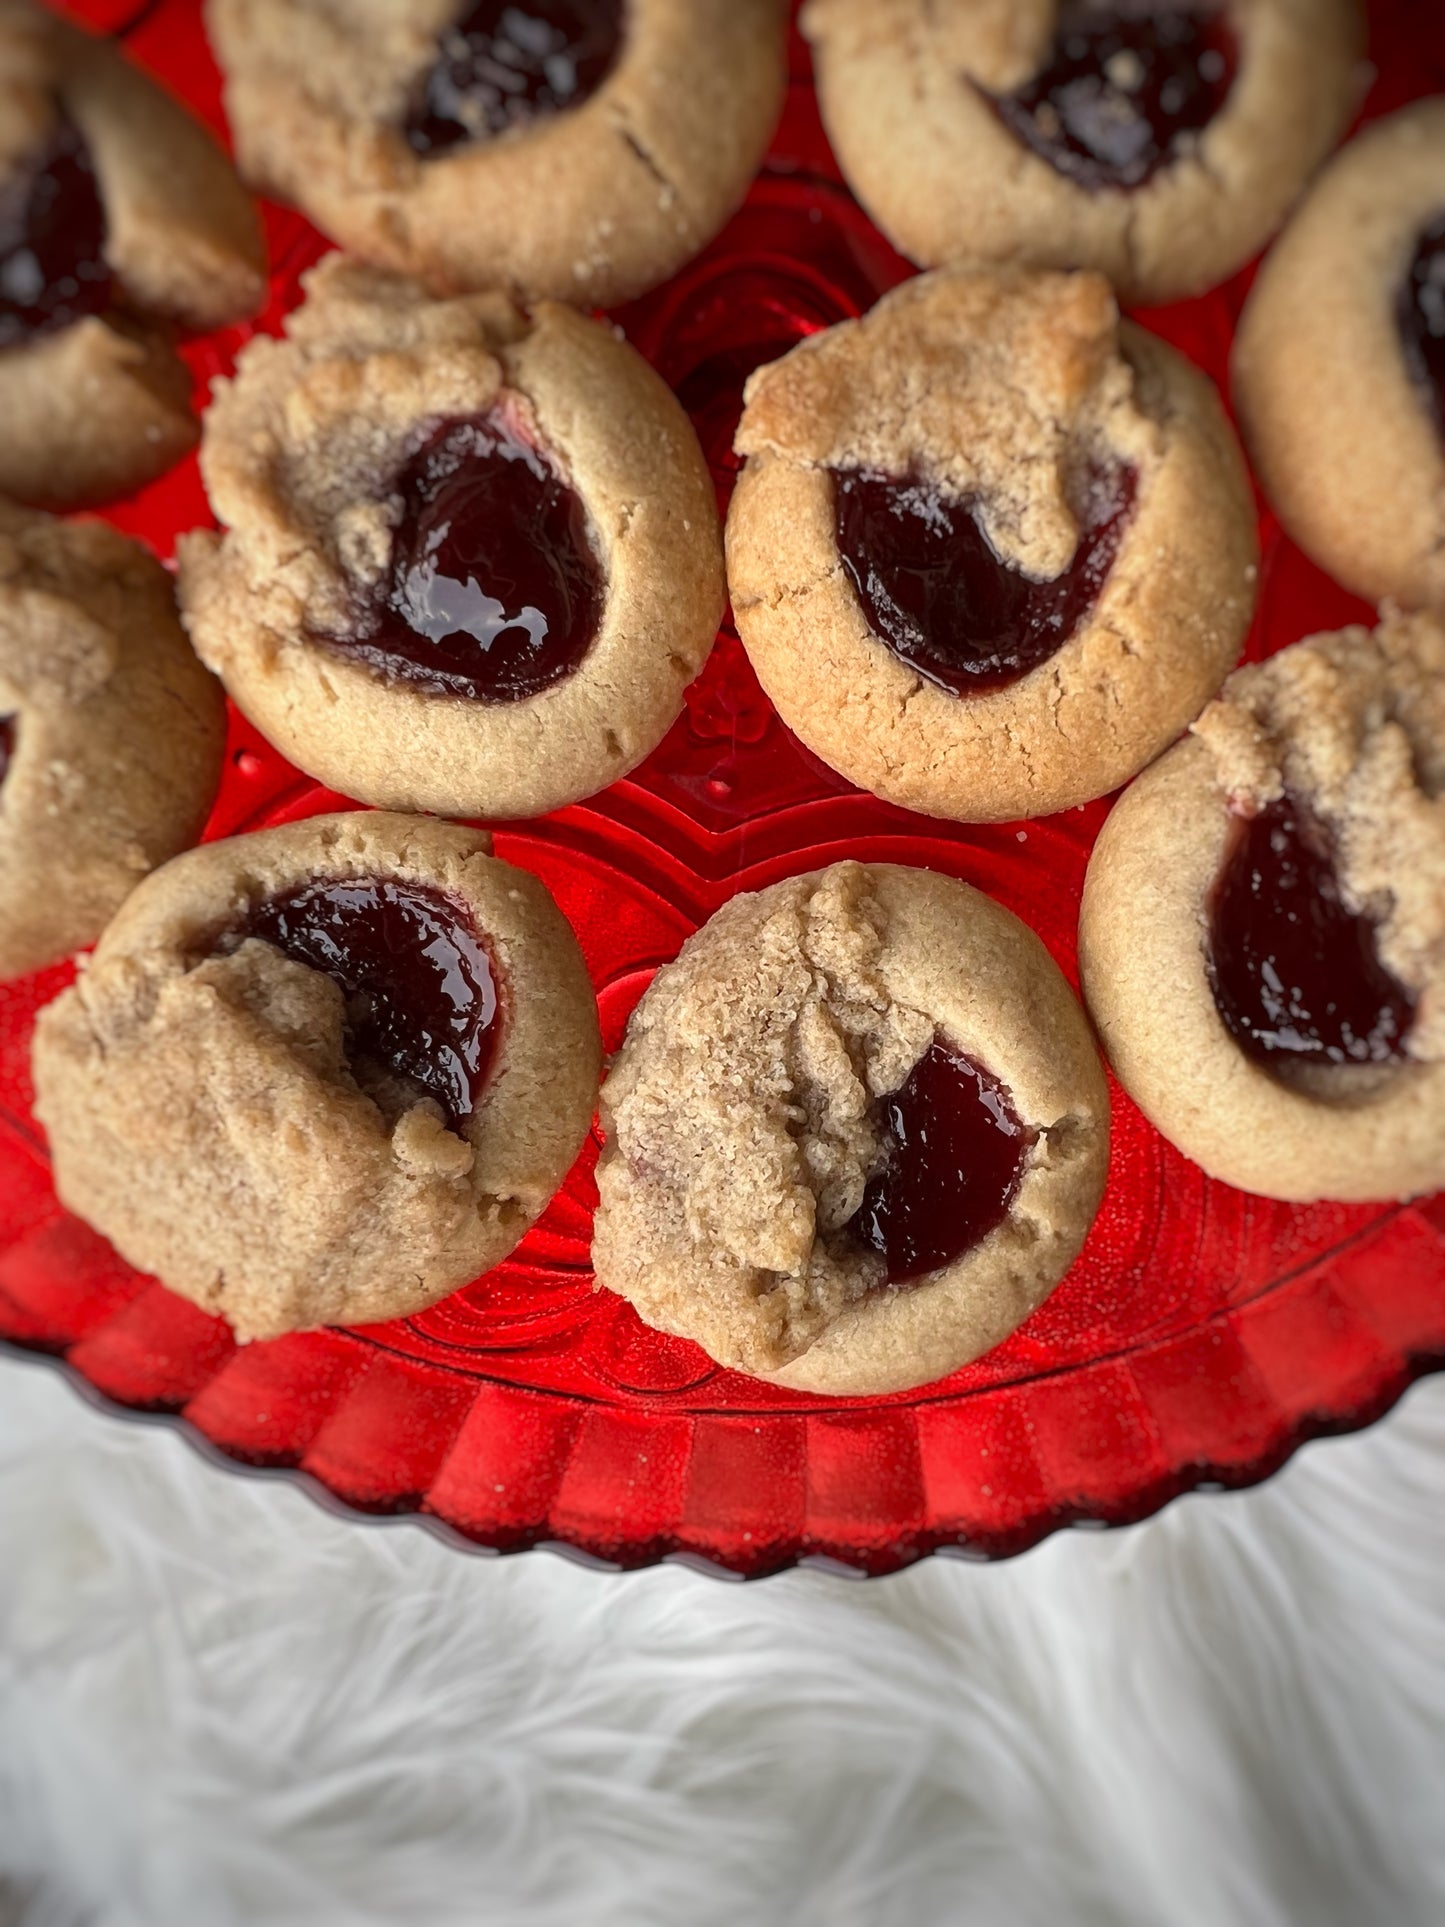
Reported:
(471, 558)
(992, 548)
(324, 1074)
(1161, 142)
(582, 149)
(120, 218)
(1263, 928)
(1339, 364)
(111, 733)
(857, 1132)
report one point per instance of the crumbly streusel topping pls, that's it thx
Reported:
(742, 1112)
(302, 443)
(1003, 387)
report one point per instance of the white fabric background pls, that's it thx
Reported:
(219, 1705)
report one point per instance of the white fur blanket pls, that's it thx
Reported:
(218, 1705)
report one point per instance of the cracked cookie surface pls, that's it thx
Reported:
(111, 732)
(1002, 391)
(593, 205)
(96, 402)
(302, 457)
(1350, 727)
(1348, 443)
(208, 1112)
(910, 95)
(743, 1125)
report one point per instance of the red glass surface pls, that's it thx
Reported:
(1201, 1335)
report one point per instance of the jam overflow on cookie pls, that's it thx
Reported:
(53, 270)
(1421, 316)
(505, 67)
(1126, 90)
(953, 1156)
(496, 592)
(938, 593)
(420, 987)
(1295, 971)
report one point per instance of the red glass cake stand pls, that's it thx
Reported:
(1201, 1336)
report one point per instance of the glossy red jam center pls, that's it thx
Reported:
(7, 745)
(420, 989)
(1127, 89)
(506, 66)
(496, 592)
(52, 242)
(1296, 973)
(938, 593)
(954, 1158)
(1422, 317)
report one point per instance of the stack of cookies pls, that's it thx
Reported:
(992, 553)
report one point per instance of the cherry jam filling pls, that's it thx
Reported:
(53, 269)
(943, 599)
(1421, 311)
(7, 746)
(420, 988)
(1296, 973)
(496, 592)
(1128, 88)
(506, 66)
(954, 1154)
